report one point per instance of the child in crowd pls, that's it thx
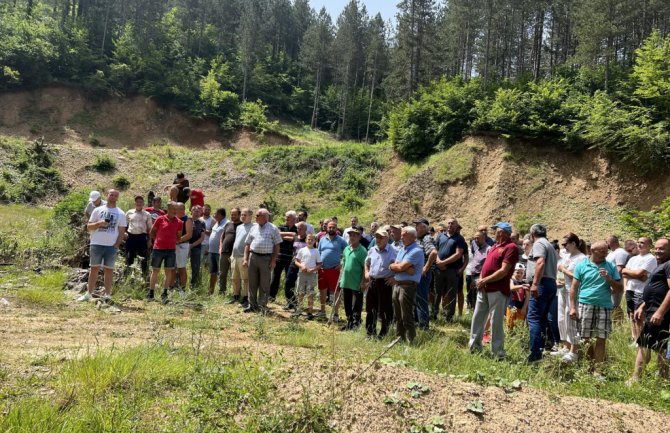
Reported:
(517, 296)
(308, 261)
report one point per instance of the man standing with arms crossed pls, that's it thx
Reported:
(107, 225)
(260, 258)
(407, 269)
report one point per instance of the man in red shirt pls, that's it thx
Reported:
(197, 197)
(493, 291)
(164, 233)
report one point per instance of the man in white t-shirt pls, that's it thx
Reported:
(635, 275)
(619, 257)
(209, 222)
(107, 226)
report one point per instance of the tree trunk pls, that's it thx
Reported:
(317, 91)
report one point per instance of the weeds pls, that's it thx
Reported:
(104, 163)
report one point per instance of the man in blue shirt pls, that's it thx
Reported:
(450, 249)
(330, 248)
(379, 299)
(407, 268)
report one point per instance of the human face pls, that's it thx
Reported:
(662, 251)
(407, 238)
(171, 211)
(246, 217)
(644, 245)
(332, 228)
(112, 197)
(139, 204)
(235, 215)
(396, 233)
(381, 241)
(196, 212)
(354, 222)
(157, 203)
(207, 211)
(518, 274)
(261, 217)
(181, 210)
(421, 229)
(599, 252)
(374, 227)
(479, 239)
(569, 246)
(290, 220)
(302, 230)
(501, 235)
(302, 216)
(452, 227)
(310, 240)
(527, 245)
(354, 239)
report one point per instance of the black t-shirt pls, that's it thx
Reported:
(198, 229)
(365, 243)
(228, 237)
(286, 247)
(656, 289)
(446, 247)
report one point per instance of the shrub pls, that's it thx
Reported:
(121, 182)
(253, 115)
(104, 163)
(654, 223)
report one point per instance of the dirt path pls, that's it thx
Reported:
(379, 401)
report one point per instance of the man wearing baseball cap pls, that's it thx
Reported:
(425, 241)
(94, 200)
(379, 299)
(493, 291)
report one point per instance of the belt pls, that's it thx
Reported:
(261, 254)
(405, 283)
(136, 234)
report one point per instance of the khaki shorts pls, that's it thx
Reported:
(239, 271)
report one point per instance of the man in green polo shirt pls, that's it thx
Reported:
(352, 281)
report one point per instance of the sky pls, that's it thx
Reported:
(335, 7)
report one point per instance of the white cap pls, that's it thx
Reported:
(93, 196)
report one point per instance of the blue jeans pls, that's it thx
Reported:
(422, 312)
(538, 312)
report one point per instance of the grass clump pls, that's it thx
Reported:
(104, 163)
(455, 164)
(121, 182)
(45, 289)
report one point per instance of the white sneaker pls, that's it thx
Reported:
(106, 298)
(570, 357)
(560, 352)
(85, 297)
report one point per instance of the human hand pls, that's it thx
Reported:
(573, 313)
(657, 319)
(534, 292)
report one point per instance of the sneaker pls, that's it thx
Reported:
(234, 300)
(320, 315)
(107, 299)
(250, 309)
(560, 352)
(554, 348)
(310, 316)
(164, 297)
(150, 294)
(296, 313)
(336, 318)
(569, 357)
(85, 297)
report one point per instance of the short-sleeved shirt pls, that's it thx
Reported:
(478, 257)
(594, 289)
(619, 257)
(197, 197)
(215, 236)
(155, 213)
(198, 230)
(262, 239)
(308, 257)
(447, 246)
(331, 251)
(646, 262)
(286, 247)
(379, 261)
(413, 254)
(543, 248)
(138, 221)
(427, 245)
(209, 222)
(228, 237)
(91, 206)
(353, 267)
(570, 261)
(505, 252)
(107, 236)
(656, 289)
(241, 233)
(167, 232)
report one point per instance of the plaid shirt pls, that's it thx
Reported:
(261, 240)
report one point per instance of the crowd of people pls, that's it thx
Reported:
(567, 293)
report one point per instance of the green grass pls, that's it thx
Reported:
(454, 164)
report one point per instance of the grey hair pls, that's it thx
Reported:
(291, 213)
(301, 224)
(538, 230)
(411, 230)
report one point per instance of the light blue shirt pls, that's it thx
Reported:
(378, 261)
(594, 289)
(414, 255)
(331, 251)
(241, 233)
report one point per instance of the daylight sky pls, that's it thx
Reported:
(334, 7)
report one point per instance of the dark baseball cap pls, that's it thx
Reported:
(422, 221)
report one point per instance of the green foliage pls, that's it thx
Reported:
(253, 115)
(454, 164)
(654, 223)
(104, 163)
(436, 119)
(652, 73)
(121, 182)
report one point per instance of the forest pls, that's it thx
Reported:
(579, 73)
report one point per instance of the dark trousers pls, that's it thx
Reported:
(421, 301)
(538, 312)
(471, 295)
(378, 305)
(447, 286)
(404, 300)
(289, 284)
(196, 259)
(136, 245)
(353, 306)
(259, 281)
(224, 269)
(281, 266)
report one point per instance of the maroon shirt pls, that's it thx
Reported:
(506, 252)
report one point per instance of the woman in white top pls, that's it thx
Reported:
(575, 253)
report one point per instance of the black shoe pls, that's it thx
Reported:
(250, 309)
(164, 297)
(150, 294)
(288, 308)
(310, 316)
(235, 299)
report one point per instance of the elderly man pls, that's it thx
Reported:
(165, 233)
(137, 241)
(483, 229)
(379, 299)
(395, 237)
(425, 240)
(107, 226)
(493, 290)
(542, 292)
(226, 248)
(240, 274)
(260, 258)
(351, 282)
(479, 250)
(635, 276)
(407, 269)
(94, 200)
(655, 313)
(450, 247)
(594, 282)
(302, 217)
(288, 232)
(354, 226)
(330, 249)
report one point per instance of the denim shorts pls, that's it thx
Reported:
(165, 257)
(103, 254)
(214, 263)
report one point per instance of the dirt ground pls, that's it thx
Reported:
(30, 334)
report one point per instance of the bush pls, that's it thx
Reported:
(121, 182)
(104, 163)
(654, 223)
(253, 115)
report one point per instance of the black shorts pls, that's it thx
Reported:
(633, 301)
(655, 337)
(166, 257)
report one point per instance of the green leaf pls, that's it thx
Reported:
(476, 407)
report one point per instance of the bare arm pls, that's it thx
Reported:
(574, 288)
(452, 258)
(404, 266)
(497, 275)
(189, 231)
(119, 239)
(657, 318)
(636, 274)
(429, 262)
